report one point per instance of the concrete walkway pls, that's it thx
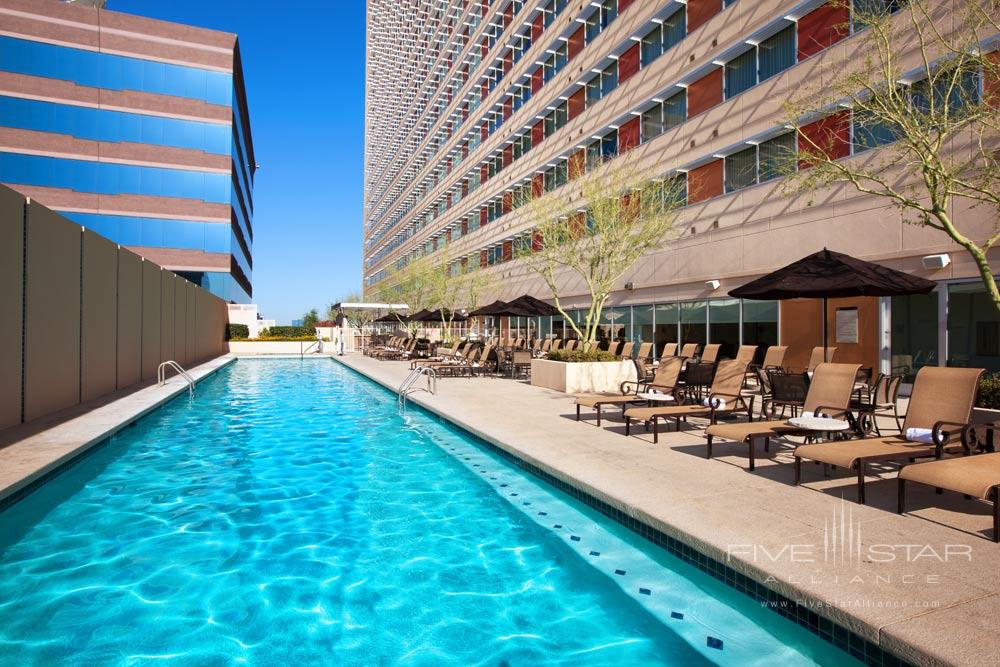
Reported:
(28, 452)
(925, 586)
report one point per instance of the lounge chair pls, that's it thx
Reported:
(645, 350)
(664, 382)
(571, 344)
(669, 350)
(724, 397)
(816, 357)
(829, 394)
(746, 353)
(626, 350)
(975, 476)
(690, 350)
(940, 407)
(710, 354)
(546, 345)
(774, 357)
(882, 400)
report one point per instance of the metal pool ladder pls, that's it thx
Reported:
(161, 372)
(407, 386)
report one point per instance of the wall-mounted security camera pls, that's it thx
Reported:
(712, 284)
(936, 261)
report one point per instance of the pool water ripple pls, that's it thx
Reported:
(288, 514)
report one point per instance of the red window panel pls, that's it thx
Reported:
(465, 230)
(465, 188)
(705, 182)
(537, 242)
(577, 164)
(536, 81)
(537, 133)
(537, 27)
(508, 155)
(508, 251)
(537, 185)
(823, 27)
(484, 132)
(482, 259)
(447, 236)
(575, 44)
(628, 135)
(484, 48)
(482, 217)
(830, 137)
(628, 64)
(484, 90)
(623, 5)
(465, 150)
(508, 62)
(705, 93)
(577, 103)
(991, 80)
(577, 223)
(508, 14)
(484, 174)
(447, 203)
(434, 243)
(699, 11)
(465, 263)
(505, 202)
(508, 108)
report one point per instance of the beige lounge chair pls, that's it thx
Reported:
(976, 476)
(546, 345)
(940, 406)
(669, 350)
(626, 351)
(664, 381)
(710, 354)
(816, 357)
(746, 353)
(774, 357)
(645, 350)
(829, 394)
(556, 344)
(690, 350)
(724, 397)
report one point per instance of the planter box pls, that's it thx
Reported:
(276, 347)
(584, 377)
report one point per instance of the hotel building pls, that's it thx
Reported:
(135, 128)
(468, 101)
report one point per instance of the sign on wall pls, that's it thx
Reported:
(847, 325)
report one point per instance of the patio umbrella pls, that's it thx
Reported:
(439, 315)
(832, 275)
(530, 306)
(491, 309)
(417, 316)
(391, 317)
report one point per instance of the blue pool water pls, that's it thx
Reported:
(289, 514)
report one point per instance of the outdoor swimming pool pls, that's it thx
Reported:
(290, 515)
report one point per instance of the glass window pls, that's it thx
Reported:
(609, 78)
(674, 28)
(652, 122)
(693, 322)
(776, 156)
(973, 328)
(869, 132)
(652, 45)
(914, 337)
(760, 326)
(675, 110)
(642, 324)
(667, 317)
(741, 73)
(741, 169)
(777, 53)
(609, 145)
(724, 326)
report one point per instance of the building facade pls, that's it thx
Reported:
(469, 102)
(135, 128)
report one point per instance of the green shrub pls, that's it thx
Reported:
(236, 331)
(576, 356)
(288, 332)
(277, 339)
(989, 392)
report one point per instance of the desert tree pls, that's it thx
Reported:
(454, 285)
(611, 216)
(410, 284)
(357, 318)
(921, 86)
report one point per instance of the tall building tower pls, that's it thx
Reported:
(135, 128)
(470, 101)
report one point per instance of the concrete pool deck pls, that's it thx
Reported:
(30, 451)
(924, 586)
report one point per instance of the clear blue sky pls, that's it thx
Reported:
(305, 75)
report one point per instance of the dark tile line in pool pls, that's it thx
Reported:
(851, 643)
(26, 490)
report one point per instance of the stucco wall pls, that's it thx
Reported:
(85, 317)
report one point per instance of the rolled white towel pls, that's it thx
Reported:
(719, 403)
(919, 435)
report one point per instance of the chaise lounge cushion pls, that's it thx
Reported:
(972, 475)
(740, 432)
(593, 400)
(847, 453)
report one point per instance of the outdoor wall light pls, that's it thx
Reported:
(936, 261)
(712, 284)
(630, 286)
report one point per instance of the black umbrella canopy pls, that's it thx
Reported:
(391, 317)
(530, 306)
(440, 315)
(491, 309)
(417, 316)
(831, 275)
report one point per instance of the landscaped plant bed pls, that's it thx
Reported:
(987, 410)
(574, 377)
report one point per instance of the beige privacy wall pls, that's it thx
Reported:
(84, 317)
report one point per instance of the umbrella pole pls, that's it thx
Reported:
(824, 330)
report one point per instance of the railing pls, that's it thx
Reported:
(303, 350)
(407, 386)
(161, 372)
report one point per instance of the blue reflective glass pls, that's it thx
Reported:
(106, 70)
(107, 125)
(157, 232)
(107, 178)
